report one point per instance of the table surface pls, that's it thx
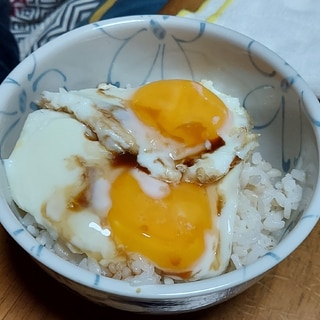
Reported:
(289, 291)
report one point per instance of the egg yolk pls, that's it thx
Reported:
(169, 231)
(180, 109)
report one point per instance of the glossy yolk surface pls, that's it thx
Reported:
(180, 109)
(169, 231)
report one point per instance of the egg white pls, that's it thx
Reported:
(45, 175)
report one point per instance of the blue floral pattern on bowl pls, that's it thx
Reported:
(161, 43)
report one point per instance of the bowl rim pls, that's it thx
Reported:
(199, 287)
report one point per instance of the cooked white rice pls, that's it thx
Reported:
(267, 200)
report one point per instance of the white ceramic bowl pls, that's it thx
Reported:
(138, 49)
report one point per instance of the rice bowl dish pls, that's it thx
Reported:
(274, 163)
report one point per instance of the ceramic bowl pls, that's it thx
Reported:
(138, 49)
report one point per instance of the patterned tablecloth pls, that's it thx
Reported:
(34, 23)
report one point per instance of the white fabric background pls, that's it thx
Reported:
(291, 28)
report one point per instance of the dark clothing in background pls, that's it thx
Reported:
(34, 23)
(9, 52)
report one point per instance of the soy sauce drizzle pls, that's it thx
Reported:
(214, 145)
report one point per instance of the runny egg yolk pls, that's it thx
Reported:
(180, 109)
(169, 230)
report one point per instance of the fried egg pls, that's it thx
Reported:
(112, 174)
(179, 130)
